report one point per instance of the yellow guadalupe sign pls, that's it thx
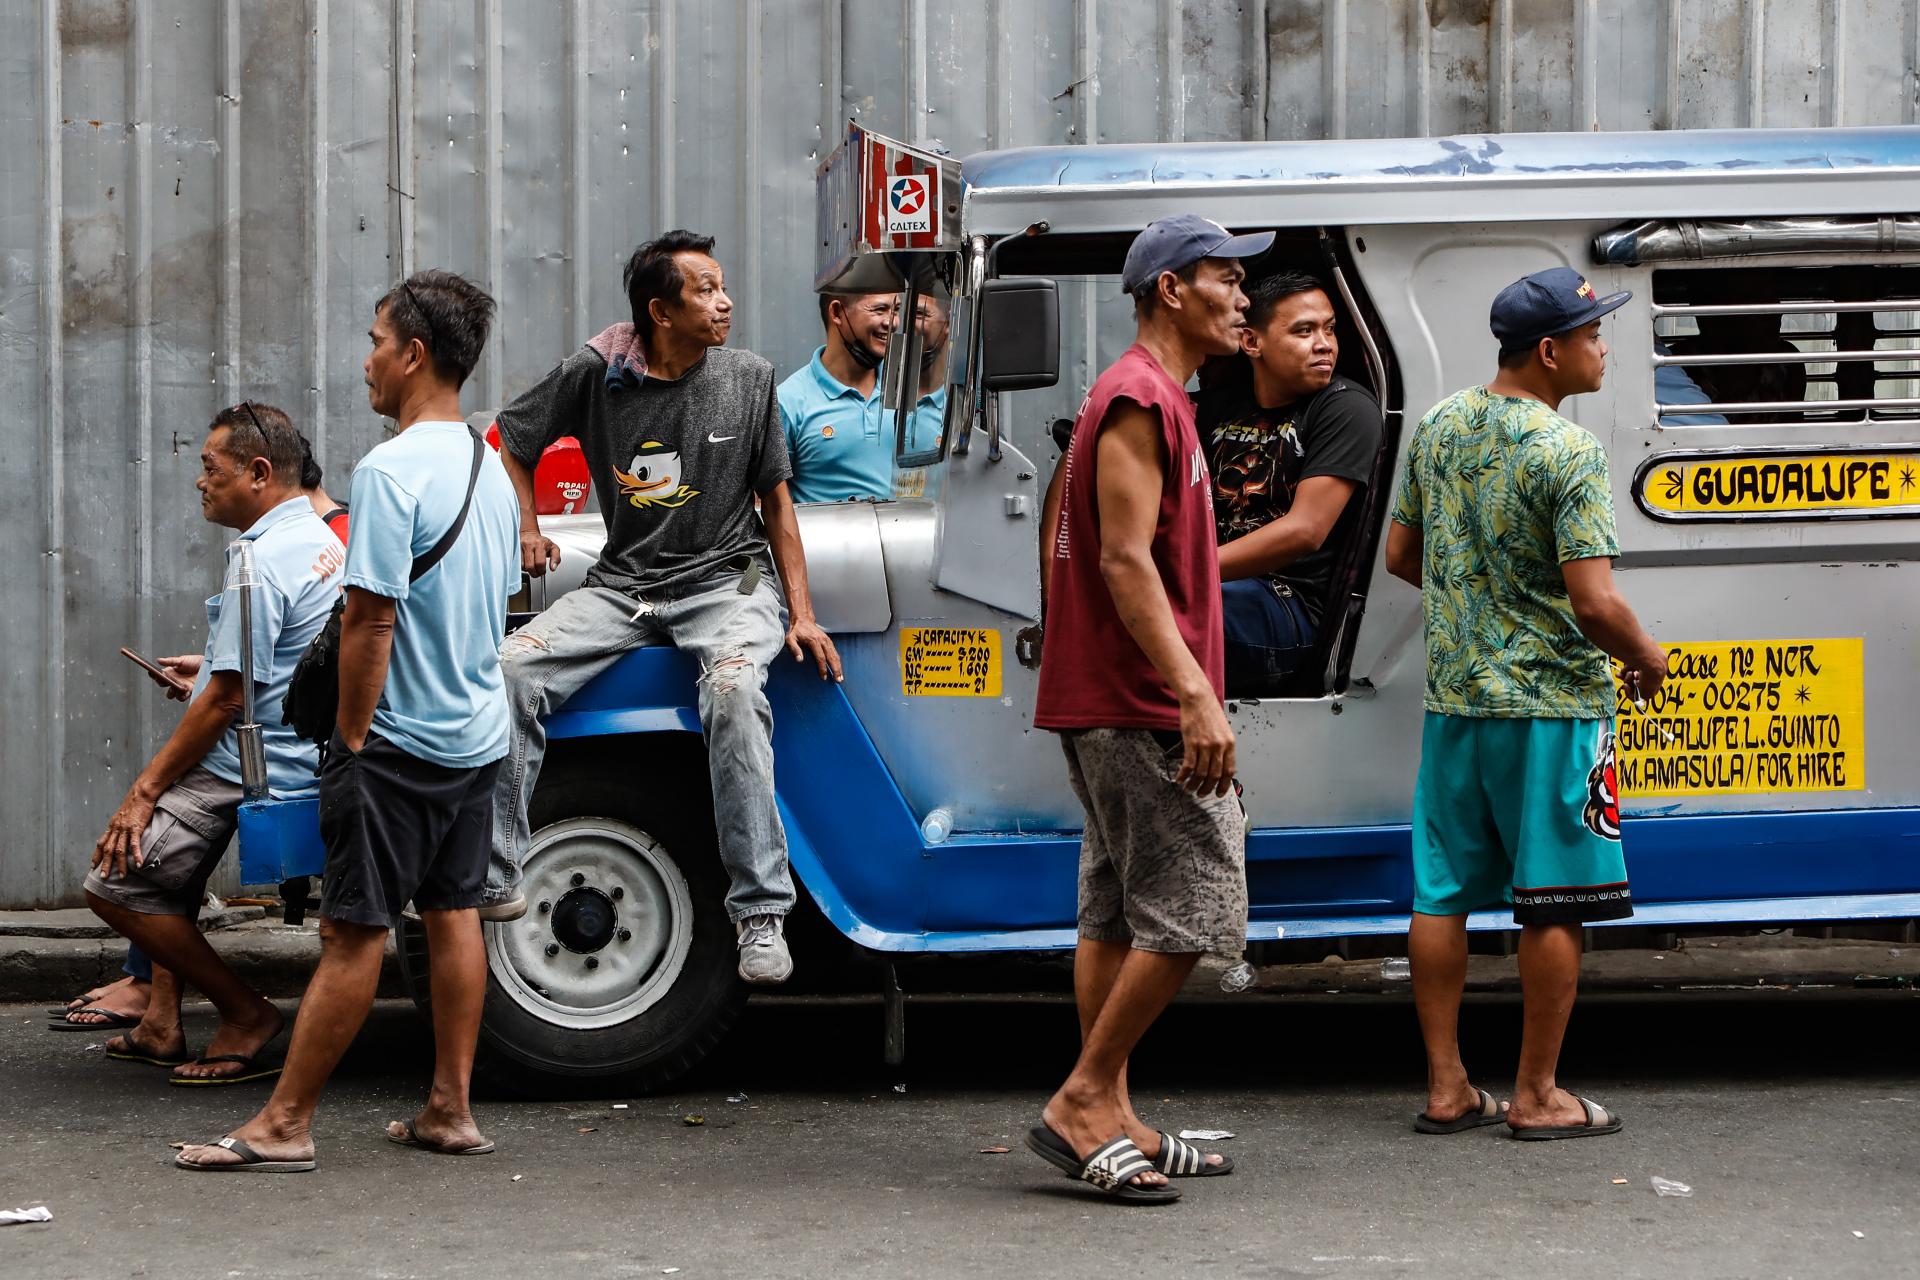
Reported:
(1780, 484)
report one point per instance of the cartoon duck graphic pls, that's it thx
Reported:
(653, 478)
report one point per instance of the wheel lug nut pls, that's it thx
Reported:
(579, 878)
(618, 893)
(553, 948)
(593, 962)
(626, 935)
(545, 907)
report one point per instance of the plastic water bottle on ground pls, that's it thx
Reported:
(1237, 979)
(1668, 1187)
(937, 826)
(1396, 969)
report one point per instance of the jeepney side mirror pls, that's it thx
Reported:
(1019, 334)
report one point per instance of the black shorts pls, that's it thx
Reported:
(398, 827)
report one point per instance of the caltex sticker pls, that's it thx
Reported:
(910, 204)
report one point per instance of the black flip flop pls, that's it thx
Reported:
(114, 1021)
(250, 1069)
(137, 1052)
(1109, 1169)
(1600, 1123)
(251, 1161)
(1181, 1159)
(413, 1139)
(1488, 1112)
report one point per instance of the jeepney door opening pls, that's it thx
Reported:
(1097, 325)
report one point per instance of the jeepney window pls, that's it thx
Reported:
(1744, 345)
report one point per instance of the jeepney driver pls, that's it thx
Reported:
(839, 431)
(682, 436)
(1290, 446)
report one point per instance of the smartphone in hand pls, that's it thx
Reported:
(164, 676)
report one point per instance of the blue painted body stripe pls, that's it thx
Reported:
(857, 847)
(1700, 152)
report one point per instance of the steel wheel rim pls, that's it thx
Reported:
(607, 931)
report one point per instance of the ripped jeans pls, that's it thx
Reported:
(734, 638)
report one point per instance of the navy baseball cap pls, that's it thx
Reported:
(1545, 303)
(1169, 244)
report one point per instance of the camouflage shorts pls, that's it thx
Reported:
(1160, 867)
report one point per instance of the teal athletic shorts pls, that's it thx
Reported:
(1522, 811)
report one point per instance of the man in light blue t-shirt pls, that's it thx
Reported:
(406, 793)
(839, 433)
(151, 866)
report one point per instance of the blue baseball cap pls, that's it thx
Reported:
(1169, 244)
(1545, 303)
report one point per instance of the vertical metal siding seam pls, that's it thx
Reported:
(226, 367)
(664, 134)
(1670, 88)
(1257, 63)
(579, 228)
(1333, 62)
(833, 109)
(1756, 61)
(140, 310)
(493, 163)
(1422, 68)
(1086, 128)
(1834, 33)
(999, 77)
(404, 175)
(913, 79)
(1586, 66)
(748, 173)
(53, 718)
(1500, 67)
(1173, 88)
(319, 135)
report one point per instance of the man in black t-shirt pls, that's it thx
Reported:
(1289, 447)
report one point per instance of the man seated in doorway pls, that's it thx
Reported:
(839, 433)
(1289, 445)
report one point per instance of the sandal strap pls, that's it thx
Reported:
(1488, 1106)
(1596, 1114)
(239, 1148)
(1120, 1161)
(1179, 1158)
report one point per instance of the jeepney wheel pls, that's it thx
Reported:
(620, 977)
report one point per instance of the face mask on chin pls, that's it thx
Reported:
(861, 353)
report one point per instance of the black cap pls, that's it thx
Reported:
(1545, 303)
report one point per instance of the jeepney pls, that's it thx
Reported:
(1769, 543)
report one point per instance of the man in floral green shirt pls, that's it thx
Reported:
(1505, 522)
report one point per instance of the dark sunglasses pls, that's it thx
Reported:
(248, 406)
(433, 339)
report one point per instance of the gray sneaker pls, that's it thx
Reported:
(505, 909)
(764, 958)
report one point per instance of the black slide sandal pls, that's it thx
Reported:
(1489, 1112)
(112, 1021)
(250, 1069)
(251, 1161)
(1600, 1123)
(1180, 1159)
(1109, 1169)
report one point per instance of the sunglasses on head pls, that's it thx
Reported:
(425, 317)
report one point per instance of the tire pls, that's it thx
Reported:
(621, 976)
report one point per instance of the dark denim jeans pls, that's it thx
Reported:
(1268, 634)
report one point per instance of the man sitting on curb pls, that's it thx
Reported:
(151, 865)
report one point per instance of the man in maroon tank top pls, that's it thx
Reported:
(1131, 679)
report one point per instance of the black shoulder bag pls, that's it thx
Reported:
(313, 694)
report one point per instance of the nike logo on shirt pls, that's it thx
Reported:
(714, 439)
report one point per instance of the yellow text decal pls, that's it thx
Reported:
(1815, 485)
(949, 662)
(1746, 717)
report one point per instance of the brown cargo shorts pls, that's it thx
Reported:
(1160, 867)
(192, 822)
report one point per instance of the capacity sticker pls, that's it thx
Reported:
(1747, 716)
(949, 662)
(1780, 484)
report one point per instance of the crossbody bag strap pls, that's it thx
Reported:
(438, 551)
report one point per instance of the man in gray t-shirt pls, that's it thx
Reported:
(682, 437)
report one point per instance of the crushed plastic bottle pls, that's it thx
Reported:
(937, 826)
(1396, 969)
(1238, 978)
(1668, 1187)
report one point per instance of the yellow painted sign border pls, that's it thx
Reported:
(1737, 485)
(950, 662)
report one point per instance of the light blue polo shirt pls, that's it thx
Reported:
(296, 569)
(840, 442)
(445, 701)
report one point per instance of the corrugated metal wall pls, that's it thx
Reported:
(199, 200)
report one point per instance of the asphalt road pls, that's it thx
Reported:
(1793, 1115)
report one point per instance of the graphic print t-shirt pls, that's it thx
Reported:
(1259, 456)
(676, 463)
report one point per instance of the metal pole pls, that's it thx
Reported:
(253, 754)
